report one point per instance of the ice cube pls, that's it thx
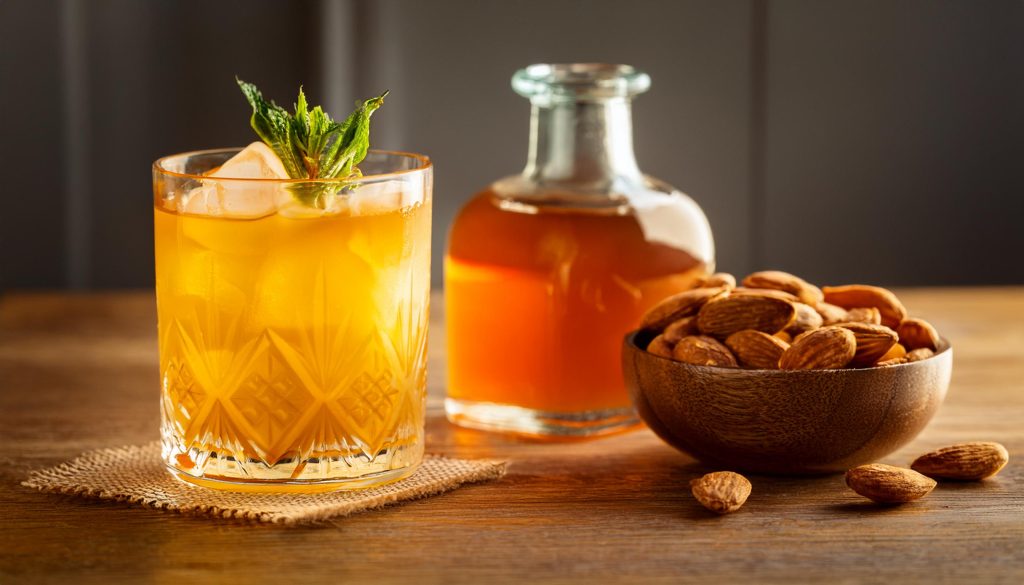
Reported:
(366, 199)
(376, 198)
(223, 197)
(256, 161)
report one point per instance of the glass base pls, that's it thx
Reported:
(301, 487)
(325, 473)
(506, 418)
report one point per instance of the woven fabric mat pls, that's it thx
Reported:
(137, 475)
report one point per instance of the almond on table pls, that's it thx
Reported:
(722, 491)
(964, 461)
(887, 484)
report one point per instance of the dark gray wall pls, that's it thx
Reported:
(893, 144)
(870, 141)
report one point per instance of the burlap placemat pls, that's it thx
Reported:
(137, 475)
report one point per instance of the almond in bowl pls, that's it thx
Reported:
(815, 320)
(751, 381)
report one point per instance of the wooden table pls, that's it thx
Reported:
(79, 372)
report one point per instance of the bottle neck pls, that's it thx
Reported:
(582, 145)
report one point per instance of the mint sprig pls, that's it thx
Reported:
(309, 143)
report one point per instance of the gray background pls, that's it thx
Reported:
(846, 141)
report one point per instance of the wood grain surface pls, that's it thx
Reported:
(78, 372)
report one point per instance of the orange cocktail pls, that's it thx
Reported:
(292, 339)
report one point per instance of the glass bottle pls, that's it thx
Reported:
(548, 269)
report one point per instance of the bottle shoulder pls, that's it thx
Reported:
(658, 215)
(622, 197)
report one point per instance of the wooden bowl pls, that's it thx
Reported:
(784, 422)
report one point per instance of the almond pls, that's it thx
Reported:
(825, 348)
(869, 315)
(797, 338)
(660, 346)
(965, 461)
(873, 341)
(919, 354)
(861, 295)
(830, 314)
(701, 350)
(774, 311)
(784, 281)
(725, 316)
(718, 279)
(887, 484)
(917, 334)
(678, 306)
(891, 362)
(895, 352)
(722, 491)
(756, 349)
(806, 319)
(764, 292)
(679, 329)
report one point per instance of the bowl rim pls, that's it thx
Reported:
(630, 340)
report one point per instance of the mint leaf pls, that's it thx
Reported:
(273, 125)
(309, 143)
(354, 139)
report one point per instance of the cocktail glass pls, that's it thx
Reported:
(293, 336)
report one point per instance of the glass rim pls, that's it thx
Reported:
(424, 163)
